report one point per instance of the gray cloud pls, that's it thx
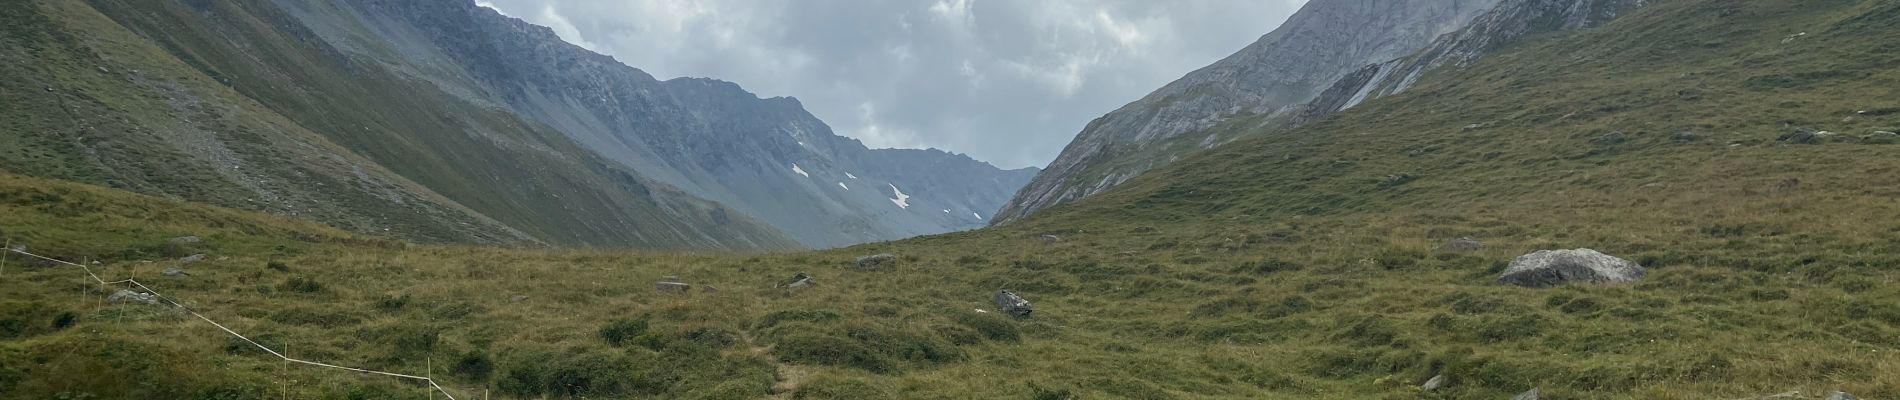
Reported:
(1009, 82)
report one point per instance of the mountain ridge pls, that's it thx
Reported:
(709, 137)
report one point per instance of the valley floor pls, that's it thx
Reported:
(1325, 307)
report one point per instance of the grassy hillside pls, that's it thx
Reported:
(235, 104)
(1298, 264)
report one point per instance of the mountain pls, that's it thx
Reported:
(1302, 262)
(766, 158)
(1266, 83)
(447, 121)
(235, 103)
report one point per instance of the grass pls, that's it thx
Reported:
(1284, 265)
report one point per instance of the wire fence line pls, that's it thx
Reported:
(437, 387)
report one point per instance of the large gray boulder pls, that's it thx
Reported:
(1549, 268)
(1840, 395)
(1013, 305)
(1527, 395)
(1437, 381)
(877, 261)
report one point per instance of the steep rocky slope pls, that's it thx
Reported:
(767, 158)
(236, 104)
(1502, 25)
(1266, 82)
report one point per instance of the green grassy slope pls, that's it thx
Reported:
(106, 107)
(1282, 266)
(274, 99)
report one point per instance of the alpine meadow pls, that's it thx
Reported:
(1466, 199)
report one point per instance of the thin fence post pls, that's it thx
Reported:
(282, 379)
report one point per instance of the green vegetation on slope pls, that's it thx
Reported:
(235, 104)
(1287, 265)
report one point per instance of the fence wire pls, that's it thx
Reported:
(168, 299)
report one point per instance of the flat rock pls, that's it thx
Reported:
(1547, 268)
(185, 240)
(672, 287)
(877, 260)
(1839, 395)
(175, 271)
(1436, 382)
(192, 258)
(127, 296)
(1010, 303)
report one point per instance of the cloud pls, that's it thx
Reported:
(1009, 82)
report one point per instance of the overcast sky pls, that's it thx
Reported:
(1006, 81)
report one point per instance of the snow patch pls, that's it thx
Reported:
(979, 217)
(800, 171)
(841, 184)
(902, 200)
(849, 175)
(946, 211)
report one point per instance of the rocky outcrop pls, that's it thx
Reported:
(1273, 78)
(1502, 25)
(1547, 268)
(1012, 305)
(127, 296)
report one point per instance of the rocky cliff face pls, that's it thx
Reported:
(1271, 80)
(1502, 25)
(767, 158)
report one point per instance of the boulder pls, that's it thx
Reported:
(175, 271)
(1462, 245)
(1010, 303)
(1527, 395)
(1839, 395)
(1436, 382)
(185, 240)
(1051, 240)
(799, 281)
(877, 260)
(192, 258)
(1800, 135)
(127, 296)
(1547, 268)
(518, 298)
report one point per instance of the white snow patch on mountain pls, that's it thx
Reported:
(849, 175)
(800, 171)
(979, 217)
(841, 184)
(902, 200)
